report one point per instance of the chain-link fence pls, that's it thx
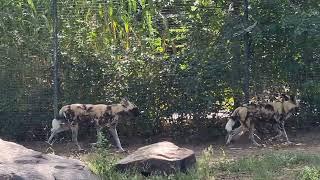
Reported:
(181, 59)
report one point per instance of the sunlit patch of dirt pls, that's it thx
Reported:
(306, 142)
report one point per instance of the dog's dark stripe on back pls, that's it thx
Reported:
(90, 108)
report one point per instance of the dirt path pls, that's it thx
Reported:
(307, 142)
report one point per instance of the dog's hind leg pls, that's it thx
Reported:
(56, 131)
(251, 135)
(74, 129)
(114, 133)
(233, 133)
(53, 133)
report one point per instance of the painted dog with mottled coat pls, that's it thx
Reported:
(102, 115)
(275, 112)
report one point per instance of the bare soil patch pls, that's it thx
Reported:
(307, 142)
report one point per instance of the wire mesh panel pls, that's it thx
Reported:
(169, 57)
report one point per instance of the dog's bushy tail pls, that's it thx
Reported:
(55, 124)
(232, 119)
(62, 112)
(230, 124)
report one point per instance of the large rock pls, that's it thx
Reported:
(18, 163)
(162, 157)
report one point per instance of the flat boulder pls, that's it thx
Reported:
(18, 163)
(162, 157)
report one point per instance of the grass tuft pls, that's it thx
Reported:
(265, 166)
(309, 173)
(269, 165)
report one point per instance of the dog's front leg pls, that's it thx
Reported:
(114, 133)
(288, 116)
(53, 133)
(279, 130)
(234, 133)
(74, 129)
(285, 133)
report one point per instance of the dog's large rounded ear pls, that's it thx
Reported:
(284, 97)
(277, 96)
(254, 100)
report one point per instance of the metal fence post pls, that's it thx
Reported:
(55, 57)
(247, 52)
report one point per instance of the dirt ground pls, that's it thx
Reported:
(307, 142)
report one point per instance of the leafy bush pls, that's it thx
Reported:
(187, 60)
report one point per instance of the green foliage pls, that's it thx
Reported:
(205, 163)
(309, 173)
(102, 141)
(178, 56)
(102, 162)
(310, 92)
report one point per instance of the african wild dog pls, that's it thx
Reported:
(284, 108)
(102, 115)
(247, 116)
(277, 111)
